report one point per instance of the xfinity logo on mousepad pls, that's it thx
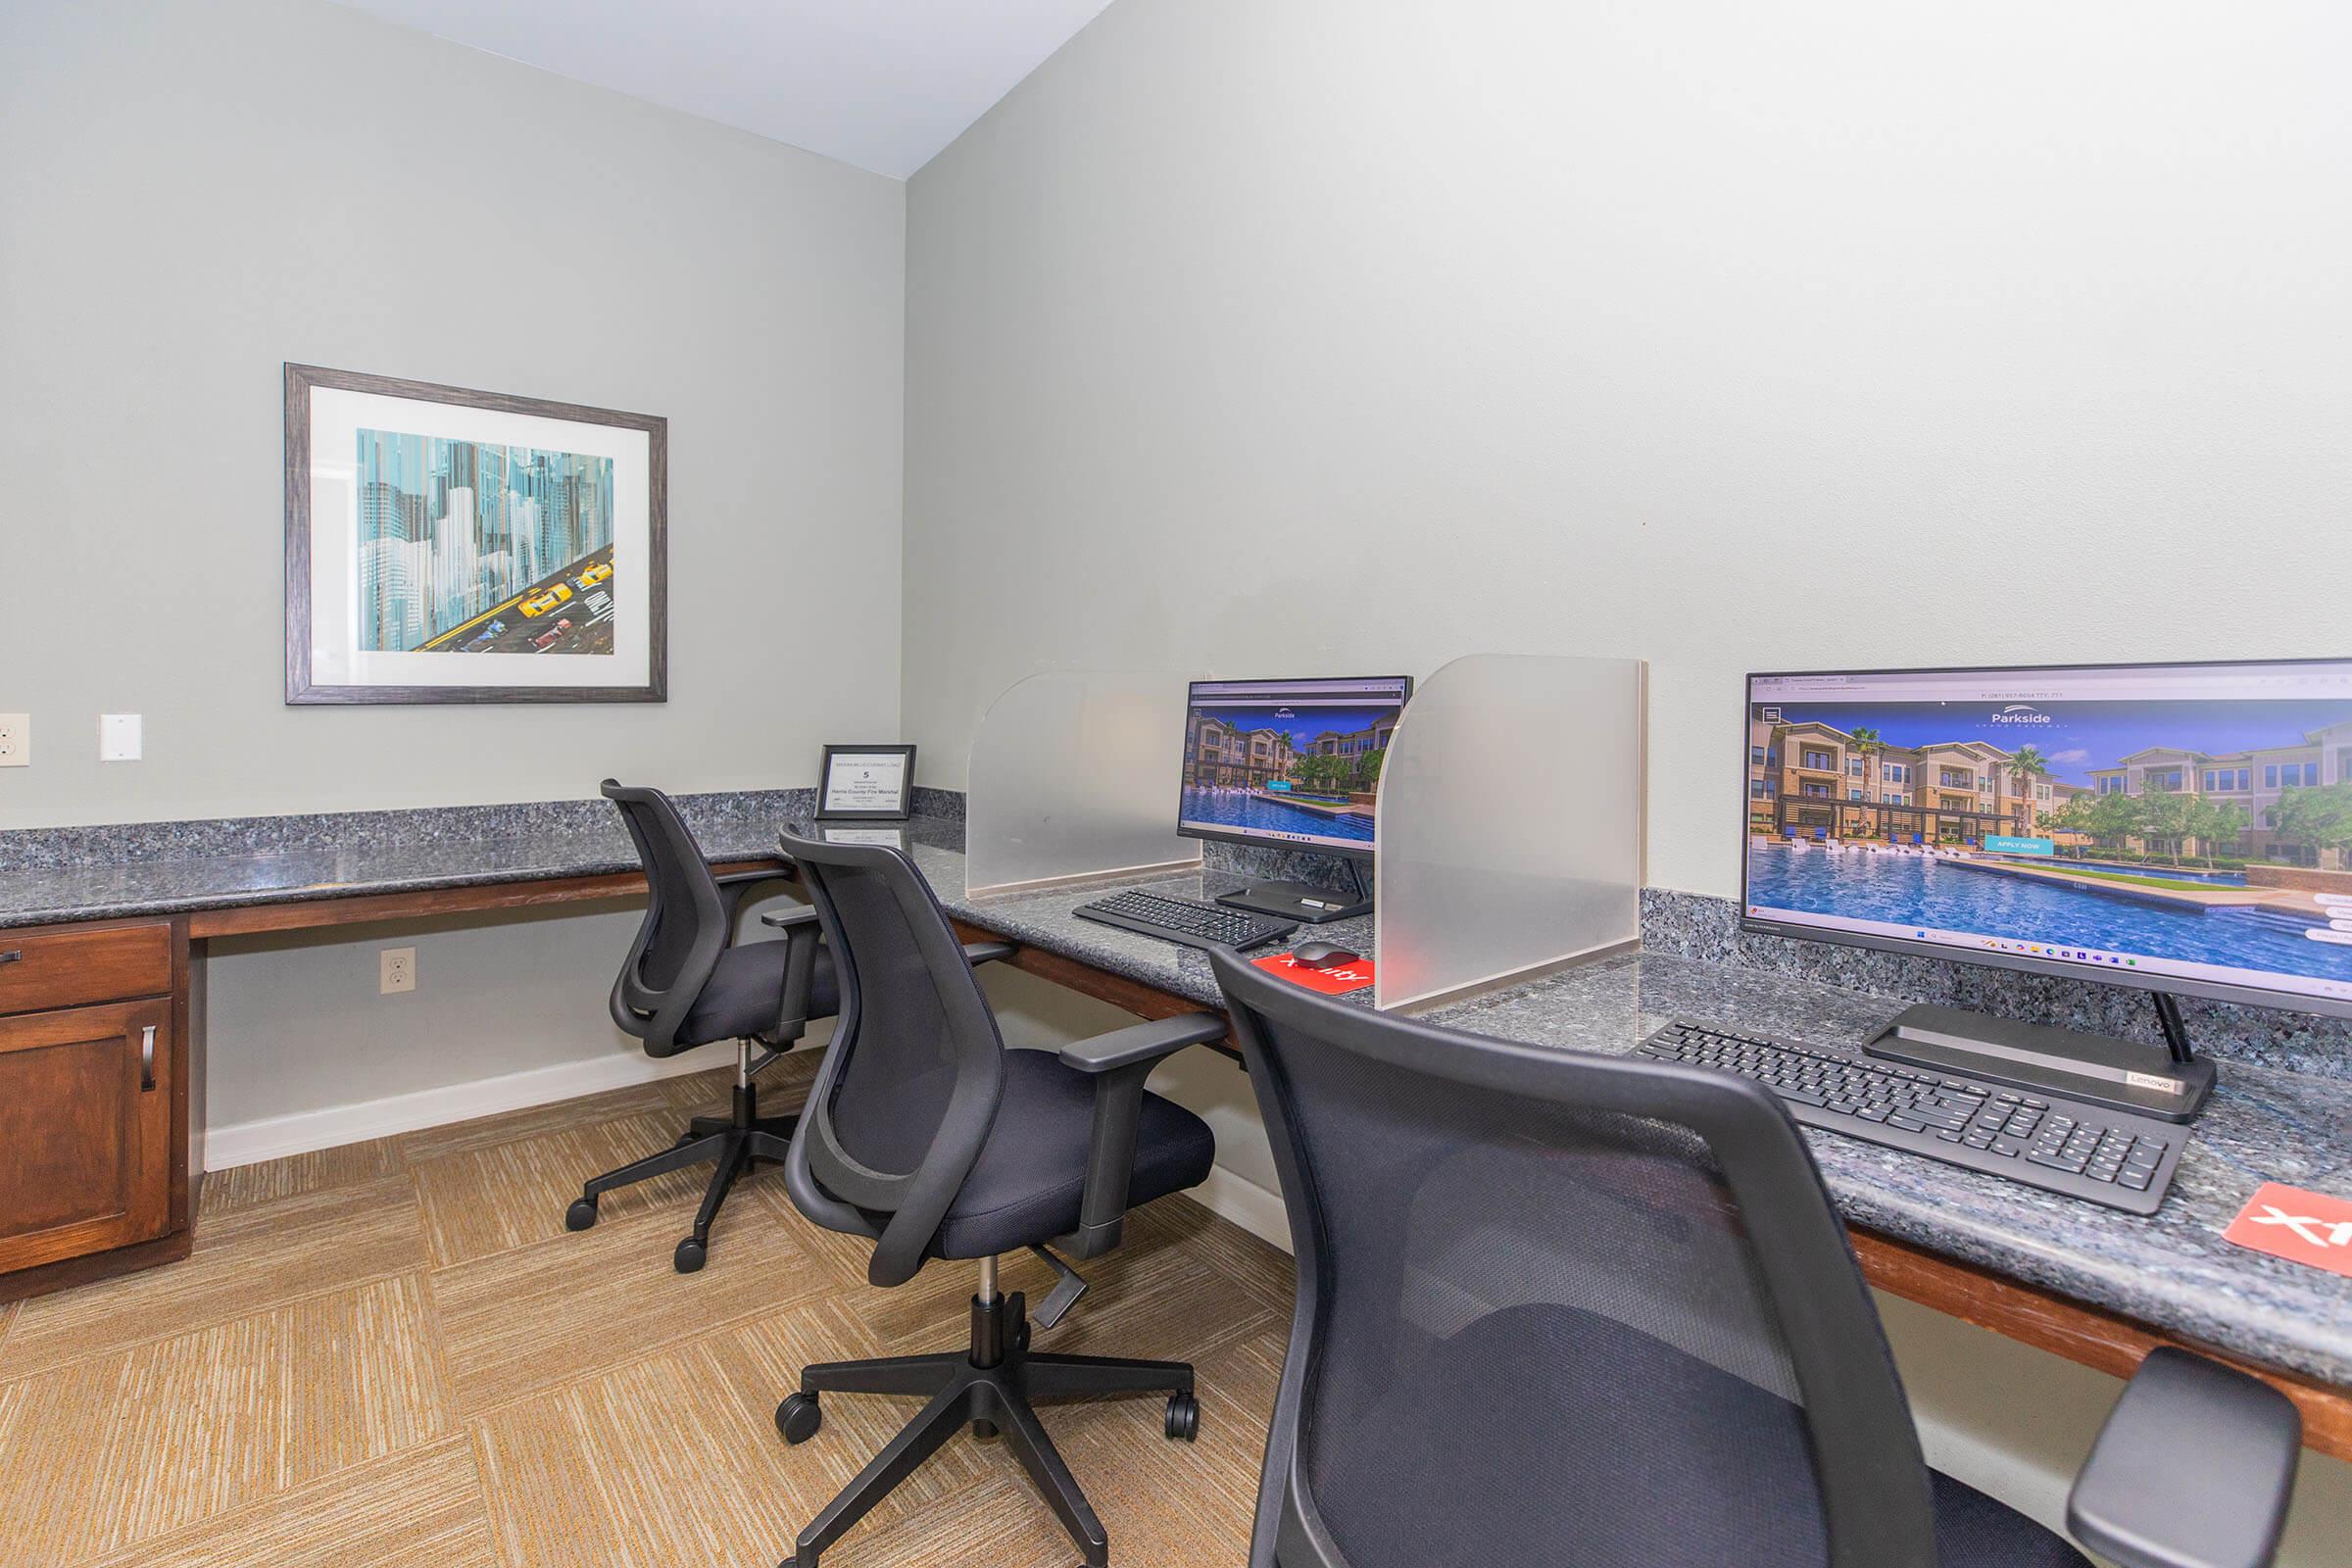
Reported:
(2302, 1227)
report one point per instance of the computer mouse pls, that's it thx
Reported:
(1322, 955)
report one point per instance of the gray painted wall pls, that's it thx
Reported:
(192, 194)
(1346, 335)
(195, 193)
(296, 1023)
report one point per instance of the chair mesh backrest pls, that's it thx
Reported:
(893, 1090)
(681, 894)
(910, 1087)
(1541, 1331)
(686, 916)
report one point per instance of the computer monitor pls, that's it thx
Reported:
(1287, 763)
(2180, 828)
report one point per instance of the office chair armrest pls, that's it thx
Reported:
(739, 886)
(800, 938)
(1145, 1042)
(2193, 1469)
(977, 953)
(766, 874)
(1120, 1062)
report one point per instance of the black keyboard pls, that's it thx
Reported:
(2057, 1144)
(1186, 920)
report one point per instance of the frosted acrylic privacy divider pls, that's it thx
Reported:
(1509, 822)
(1076, 773)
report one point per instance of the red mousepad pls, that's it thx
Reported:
(2303, 1226)
(1335, 982)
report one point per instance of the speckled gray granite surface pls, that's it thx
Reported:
(945, 805)
(58, 874)
(2173, 1271)
(1045, 919)
(1264, 863)
(1695, 926)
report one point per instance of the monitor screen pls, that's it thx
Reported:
(2176, 828)
(1288, 761)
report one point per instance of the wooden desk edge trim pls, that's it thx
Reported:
(326, 909)
(2088, 1336)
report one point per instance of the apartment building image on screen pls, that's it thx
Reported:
(1290, 761)
(2182, 823)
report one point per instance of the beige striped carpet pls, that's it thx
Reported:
(394, 1353)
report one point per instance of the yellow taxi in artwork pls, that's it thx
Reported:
(595, 575)
(547, 600)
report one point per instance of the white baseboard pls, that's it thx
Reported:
(1250, 1207)
(248, 1142)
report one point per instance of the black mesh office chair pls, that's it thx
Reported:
(923, 1132)
(1556, 1308)
(687, 983)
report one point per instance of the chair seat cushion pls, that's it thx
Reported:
(1644, 1456)
(1026, 1187)
(745, 991)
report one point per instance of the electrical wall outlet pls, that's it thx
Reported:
(396, 970)
(15, 740)
(119, 738)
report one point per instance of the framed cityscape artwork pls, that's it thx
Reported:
(452, 546)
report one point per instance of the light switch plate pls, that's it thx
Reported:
(119, 739)
(15, 740)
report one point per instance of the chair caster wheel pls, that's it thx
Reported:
(1184, 1418)
(580, 1215)
(690, 1256)
(798, 1419)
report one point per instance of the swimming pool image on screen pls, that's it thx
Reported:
(1296, 762)
(1247, 811)
(1944, 894)
(2202, 837)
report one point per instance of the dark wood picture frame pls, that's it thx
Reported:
(301, 690)
(824, 775)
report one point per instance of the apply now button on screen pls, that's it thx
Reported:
(2005, 844)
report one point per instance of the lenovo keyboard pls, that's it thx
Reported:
(1187, 920)
(2043, 1140)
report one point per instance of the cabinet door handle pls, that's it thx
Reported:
(147, 1059)
(12, 956)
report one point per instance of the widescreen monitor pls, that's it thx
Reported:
(1288, 761)
(2174, 827)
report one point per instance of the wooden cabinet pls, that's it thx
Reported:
(43, 969)
(94, 1098)
(85, 1130)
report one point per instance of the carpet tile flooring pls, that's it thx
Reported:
(394, 1353)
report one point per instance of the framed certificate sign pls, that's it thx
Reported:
(866, 784)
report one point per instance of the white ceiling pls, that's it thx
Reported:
(883, 84)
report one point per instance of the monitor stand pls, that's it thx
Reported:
(2169, 1083)
(1302, 902)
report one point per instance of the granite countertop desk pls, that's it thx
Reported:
(55, 876)
(2170, 1274)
